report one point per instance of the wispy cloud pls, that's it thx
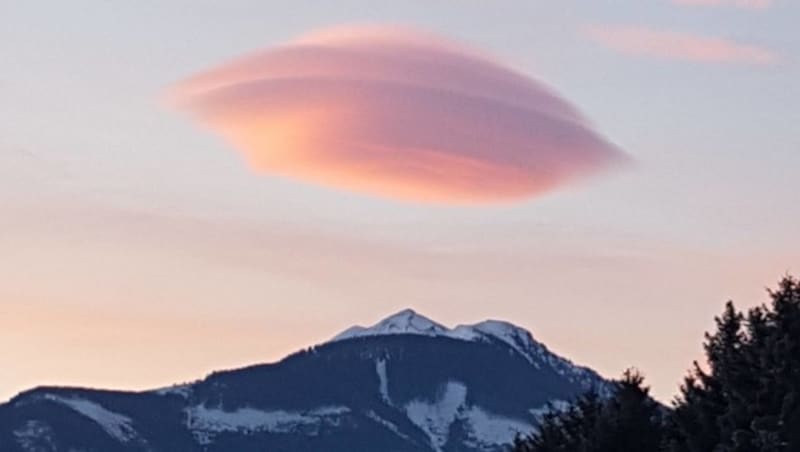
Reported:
(745, 4)
(648, 42)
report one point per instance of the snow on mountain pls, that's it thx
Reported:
(484, 429)
(205, 422)
(182, 390)
(404, 322)
(405, 384)
(435, 418)
(34, 435)
(519, 339)
(383, 379)
(389, 425)
(487, 430)
(408, 321)
(116, 425)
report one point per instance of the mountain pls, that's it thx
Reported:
(406, 384)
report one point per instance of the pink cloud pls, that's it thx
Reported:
(643, 41)
(746, 4)
(396, 113)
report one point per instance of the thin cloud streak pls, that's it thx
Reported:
(398, 114)
(648, 42)
(743, 4)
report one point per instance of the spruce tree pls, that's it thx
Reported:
(749, 400)
(744, 398)
(627, 421)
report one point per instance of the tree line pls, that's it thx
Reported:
(744, 398)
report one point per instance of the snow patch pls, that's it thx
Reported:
(116, 425)
(554, 406)
(180, 390)
(383, 380)
(487, 429)
(436, 418)
(484, 429)
(206, 422)
(389, 425)
(35, 436)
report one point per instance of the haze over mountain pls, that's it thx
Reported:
(405, 384)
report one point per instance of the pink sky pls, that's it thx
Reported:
(145, 245)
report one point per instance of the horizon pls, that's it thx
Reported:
(604, 175)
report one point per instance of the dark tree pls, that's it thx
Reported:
(627, 421)
(744, 398)
(749, 399)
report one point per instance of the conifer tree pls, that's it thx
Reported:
(628, 421)
(749, 400)
(744, 398)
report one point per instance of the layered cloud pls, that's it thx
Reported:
(396, 113)
(746, 4)
(644, 41)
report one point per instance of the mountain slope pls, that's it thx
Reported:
(406, 384)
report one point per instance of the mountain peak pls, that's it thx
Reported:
(409, 321)
(518, 339)
(406, 321)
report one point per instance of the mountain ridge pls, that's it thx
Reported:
(380, 388)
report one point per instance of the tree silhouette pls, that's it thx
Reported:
(629, 420)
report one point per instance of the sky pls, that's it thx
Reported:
(143, 247)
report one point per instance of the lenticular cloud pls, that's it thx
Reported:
(399, 114)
